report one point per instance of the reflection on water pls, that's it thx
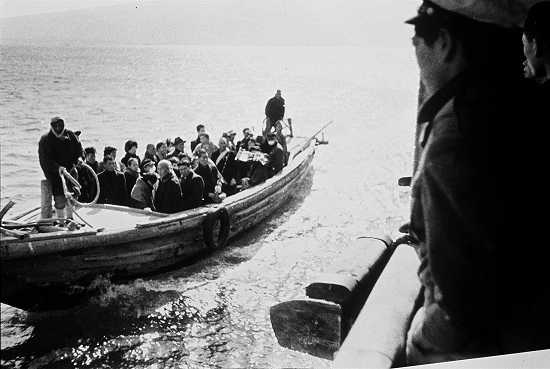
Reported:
(192, 316)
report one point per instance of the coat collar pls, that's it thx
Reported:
(433, 105)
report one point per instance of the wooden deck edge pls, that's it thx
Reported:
(377, 338)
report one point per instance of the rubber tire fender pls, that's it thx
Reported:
(222, 215)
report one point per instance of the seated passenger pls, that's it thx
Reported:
(224, 159)
(86, 178)
(247, 136)
(109, 151)
(174, 163)
(259, 170)
(275, 154)
(230, 137)
(142, 193)
(131, 174)
(89, 158)
(205, 144)
(200, 129)
(148, 166)
(162, 151)
(192, 186)
(151, 154)
(168, 195)
(179, 148)
(130, 147)
(112, 184)
(209, 174)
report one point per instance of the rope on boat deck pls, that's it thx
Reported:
(69, 195)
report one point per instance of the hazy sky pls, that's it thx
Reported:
(213, 22)
(14, 8)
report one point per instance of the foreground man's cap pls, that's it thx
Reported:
(504, 13)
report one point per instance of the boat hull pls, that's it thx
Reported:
(50, 273)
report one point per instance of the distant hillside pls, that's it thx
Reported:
(223, 22)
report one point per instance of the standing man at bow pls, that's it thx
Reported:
(59, 150)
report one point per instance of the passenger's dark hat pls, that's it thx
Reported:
(179, 140)
(504, 13)
(271, 135)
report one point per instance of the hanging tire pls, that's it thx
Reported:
(216, 229)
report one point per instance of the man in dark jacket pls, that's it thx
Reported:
(59, 150)
(461, 212)
(192, 186)
(90, 159)
(179, 148)
(109, 151)
(86, 178)
(209, 174)
(131, 175)
(224, 158)
(275, 154)
(200, 129)
(112, 184)
(130, 147)
(168, 195)
(274, 111)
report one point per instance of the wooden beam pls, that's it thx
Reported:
(377, 339)
(356, 264)
(310, 326)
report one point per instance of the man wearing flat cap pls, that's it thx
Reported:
(467, 219)
(179, 148)
(59, 150)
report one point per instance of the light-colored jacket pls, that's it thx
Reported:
(142, 194)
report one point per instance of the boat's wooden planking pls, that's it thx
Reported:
(124, 260)
(159, 241)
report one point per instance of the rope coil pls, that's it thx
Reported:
(69, 195)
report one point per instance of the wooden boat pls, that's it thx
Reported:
(45, 270)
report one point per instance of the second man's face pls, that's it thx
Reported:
(534, 64)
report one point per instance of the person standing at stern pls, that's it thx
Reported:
(59, 150)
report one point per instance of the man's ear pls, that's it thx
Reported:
(536, 49)
(447, 45)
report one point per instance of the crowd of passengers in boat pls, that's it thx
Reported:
(168, 178)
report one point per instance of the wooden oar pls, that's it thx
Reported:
(308, 141)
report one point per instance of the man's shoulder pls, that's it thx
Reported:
(196, 178)
(45, 137)
(174, 181)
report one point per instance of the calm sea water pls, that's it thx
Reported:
(214, 313)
